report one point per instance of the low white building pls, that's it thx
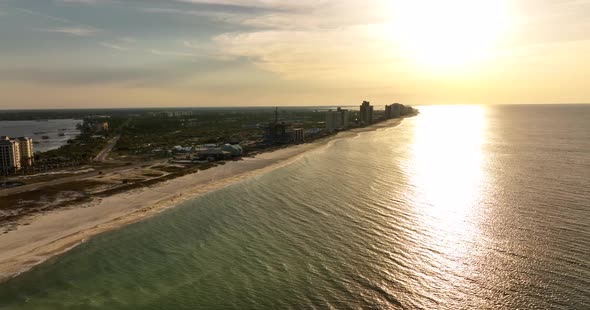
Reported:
(182, 149)
(235, 150)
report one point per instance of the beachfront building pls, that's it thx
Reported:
(171, 114)
(15, 153)
(298, 135)
(179, 113)
(337, 120)
(393, 110)
(234, 149)
(101, 126)
(214, 154)
(277, 133)
(10, 159)
(26, 151)
(366, 113)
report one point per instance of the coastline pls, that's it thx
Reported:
(59, 231)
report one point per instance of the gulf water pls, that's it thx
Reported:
(461, 207)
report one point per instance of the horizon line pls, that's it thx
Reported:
(273, 106)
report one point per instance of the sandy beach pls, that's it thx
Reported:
(58, 231)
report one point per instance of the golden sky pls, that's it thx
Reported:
(137, 53)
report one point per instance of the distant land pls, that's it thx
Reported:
(183, 152)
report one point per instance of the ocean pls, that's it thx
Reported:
(461, 207)
(37, 129)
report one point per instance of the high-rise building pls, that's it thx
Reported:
(15, 153)
(336, 120)
(10, 159)
(366, 113)
(331, 120)
(277, 131)
(393, 110)
(26, 151)
(298, 135)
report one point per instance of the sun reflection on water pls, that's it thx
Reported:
(448, 175)
(448, 158)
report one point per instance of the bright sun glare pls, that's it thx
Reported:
(449, 33)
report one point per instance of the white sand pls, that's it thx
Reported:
(60, 230)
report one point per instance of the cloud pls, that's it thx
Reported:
(114, 46)
(312, 40)
(72, 31)
(285, 15)
(76, 76)
(73, 28)
(267, 4)
(207, 51)
(156, 75)
(182, 12)
(85, 1)
(215, 16)
(325, 44)
(347, 54)
(344, 40)
(127, 40)
(171, 53)
(47, 16)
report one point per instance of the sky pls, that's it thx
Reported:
(177, 53)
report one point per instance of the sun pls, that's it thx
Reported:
(449, 33)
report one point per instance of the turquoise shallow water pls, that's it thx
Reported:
(460, 207)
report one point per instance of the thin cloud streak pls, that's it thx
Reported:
(72, 31)
(155, 76)
(171, 53)
(265, 4)
(232, 18)
(54, 18)
(114, 46)
(85, 1)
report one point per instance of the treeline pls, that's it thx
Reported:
(84, 147)
(154, 135)
(81, 149)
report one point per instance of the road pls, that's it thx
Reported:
(104, 153)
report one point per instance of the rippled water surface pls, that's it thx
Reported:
(51, 129)
(461, 207)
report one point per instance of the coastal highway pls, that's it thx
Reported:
(104, 153)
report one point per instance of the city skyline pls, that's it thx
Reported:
(186, 53)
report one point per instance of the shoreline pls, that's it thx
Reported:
(59, 231)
